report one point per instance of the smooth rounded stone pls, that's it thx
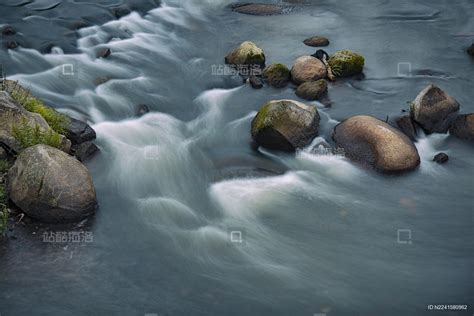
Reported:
(312, 90)
(258, 9)
(246, 54)
(463, 127)
(51, 186)
(434, 109)
(285, 125)
(407, 126)
(85, 151)
(470, 50)
(346, 63)
(79, 132)
(316, 41)
(375, 143)
(142, 109)
(307, 68)
(441, 158)
(256, 82)
(276, 75)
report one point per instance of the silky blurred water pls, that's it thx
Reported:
(319, 233)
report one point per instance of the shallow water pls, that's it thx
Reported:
(320, 233)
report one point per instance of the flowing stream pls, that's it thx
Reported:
(319, 232)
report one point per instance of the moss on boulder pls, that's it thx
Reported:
(346, 63)
(277, 75)
(246, 54)
(285, 125)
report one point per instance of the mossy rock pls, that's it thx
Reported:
(246, 54)
(285, 125)
(277, 75)
(312, 90)
(346, 63)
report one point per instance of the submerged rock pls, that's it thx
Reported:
(142, 109)
(285, 125)
(463, 127)
(258, 9)
(277, 75)
(470, 50)
(8, 30)
(407, 126)
(246, 54)
(104, 52)
(375, 143)
(312, 90)
(316, 41)
(434, 109)
(51, 186)
(441, 158)
(307, 68)
(346, 63)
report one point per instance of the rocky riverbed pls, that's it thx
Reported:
(138, 138)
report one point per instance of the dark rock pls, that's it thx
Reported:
(441, 158)
(104, 52)
(277, 75)
(11, 44)
(285, 125)
(312, 90)
(142, 109)
(79, 132)
(85, 151)
(51, 186)
(101, 80)
(434, 109)
(463, 127)
(375, 143)
(470, 50)
(8, 30)
(256, 82)
(259, 9)
(407, 126)
(316, 41)
(121, 11)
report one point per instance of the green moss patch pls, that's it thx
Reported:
(346, 63)
(28, 135)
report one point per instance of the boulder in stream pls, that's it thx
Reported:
(346, 63)
(463, 127)
(246, 54)
(312, 90)
(307, 68)
(285, 125)
(51, 186)
(375, 143)
(276, 75)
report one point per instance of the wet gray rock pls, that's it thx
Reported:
(285, 125)
(375, 143)
(463, 127)
(85, 151)
(441, 158)
(142, 109)
(316, 41)
(470, 50)
(79, 132)
(407, 126)
(434, 109)
(312, 90)
(49, 185)
(8, 30)
(104, 52)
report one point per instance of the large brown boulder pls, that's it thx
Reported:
(434, 109)
(307, 68)
(51, 186)
(463, 127)
(375, 143)
(285, 125)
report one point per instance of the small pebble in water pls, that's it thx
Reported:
(104, 52)
(142, 109)
(256, 82)
(441, 158)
